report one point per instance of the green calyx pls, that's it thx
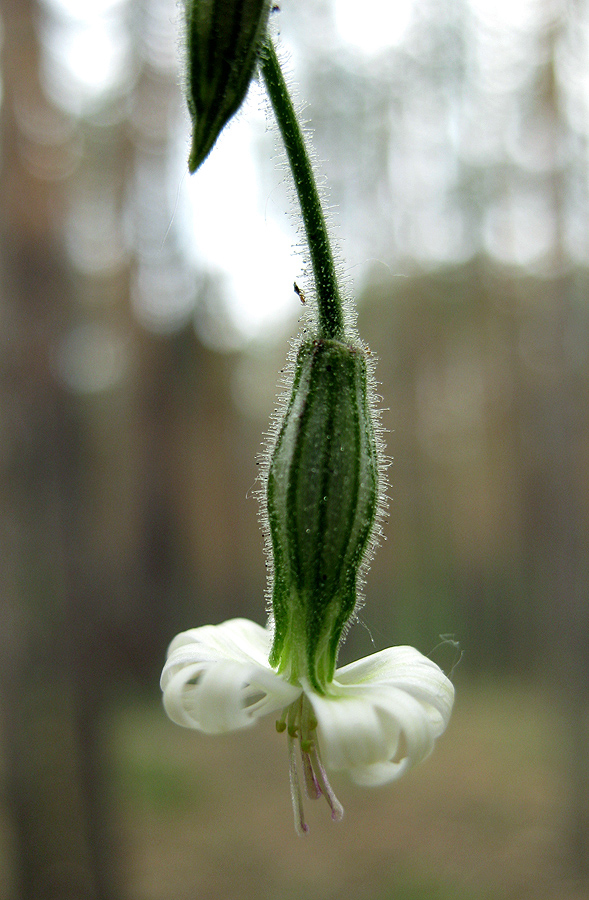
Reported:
(322, 498)
(223, 39)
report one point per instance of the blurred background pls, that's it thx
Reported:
(144, 318)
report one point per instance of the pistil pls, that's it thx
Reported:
(300, 724)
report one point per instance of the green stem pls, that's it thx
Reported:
(331, 319)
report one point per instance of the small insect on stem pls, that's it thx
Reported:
(300, 294)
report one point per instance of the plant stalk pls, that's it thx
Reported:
(330, 312)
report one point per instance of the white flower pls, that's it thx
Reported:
(378, 717)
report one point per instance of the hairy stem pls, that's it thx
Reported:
(331, 320)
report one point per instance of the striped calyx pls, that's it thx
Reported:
(223, 38)
(322, 497)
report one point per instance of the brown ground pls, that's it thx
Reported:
(483, 818)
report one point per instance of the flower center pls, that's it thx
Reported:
(300, 724)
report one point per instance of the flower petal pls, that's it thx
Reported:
(382, 714)
(411, 671)
(239, 640)
(217, 678)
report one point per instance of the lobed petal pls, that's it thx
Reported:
(239, 640)
(382, 714)
(217, 678)
(410, 671)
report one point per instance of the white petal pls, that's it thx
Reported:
(235, 639)
(382, 714)
(411, 671)
(217, 678)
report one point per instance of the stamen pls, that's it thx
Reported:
(337, 810)
(299, 723)
(281, 722)
(312, 789)
(301, 826)
(293, 718)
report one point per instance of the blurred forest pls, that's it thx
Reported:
(132, 408)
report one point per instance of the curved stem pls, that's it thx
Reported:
(331, 320)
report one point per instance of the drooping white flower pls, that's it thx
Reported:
(377, 718)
